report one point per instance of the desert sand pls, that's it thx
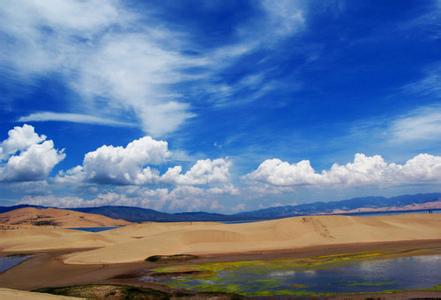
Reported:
(138, 241)
(57, 217)
(8, 294)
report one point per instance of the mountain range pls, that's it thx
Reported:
(350, 206)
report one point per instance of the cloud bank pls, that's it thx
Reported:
(363, 170)
(144, 173)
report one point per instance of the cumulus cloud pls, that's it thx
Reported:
(364, 170)
(138, 164)
(205, 171)
(120, 165)
(27, 156)
(19, 138)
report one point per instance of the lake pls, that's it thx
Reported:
(95, 229)
(288, 278)
(7, 262)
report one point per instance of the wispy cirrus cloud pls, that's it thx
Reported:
(125, 64)
(421, 124)
(73, 118)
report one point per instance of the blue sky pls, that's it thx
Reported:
(218, 105)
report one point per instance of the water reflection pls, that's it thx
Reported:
(415, 272)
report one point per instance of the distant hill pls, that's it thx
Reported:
(132, 214)
(360, 204)
(138, 214)
(56, 217)
(341, 206)
(4, 209)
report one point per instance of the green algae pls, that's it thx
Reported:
(435, 288)
(211, 276)
(222, 276)
(276, 264)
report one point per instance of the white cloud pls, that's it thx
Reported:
(277, 172)
(126, 65)
(120, 165)
(136, 164)
(135, 72)
(27, 156)
(423, 124)
(284, 16)
(74, 118)
(205, 171)
(19, 138)
(364, 170)
(181, 198)
(103, 51)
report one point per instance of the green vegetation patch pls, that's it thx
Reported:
(45, 223)
(277, 264)
(170, 258)
(96, 291)
(125, 292)
(436, 288)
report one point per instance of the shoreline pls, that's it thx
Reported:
(47, 269)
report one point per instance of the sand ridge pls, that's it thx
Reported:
(217, 238)
(57, 217)
(138, 241)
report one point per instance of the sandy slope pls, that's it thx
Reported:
(8, 294)
(36, 238)
(59, 217)
(138, 241)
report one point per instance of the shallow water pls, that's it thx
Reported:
(7, 262)
(95, 229)
(414, 272)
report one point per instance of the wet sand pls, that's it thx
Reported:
(48, 269)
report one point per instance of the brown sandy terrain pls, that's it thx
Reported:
(8, 294)
(56, 217)
(138, 241)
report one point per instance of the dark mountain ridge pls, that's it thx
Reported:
(138, 214)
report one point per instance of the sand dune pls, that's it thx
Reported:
(56, 217)
(36, 238)
(139, 241)
(8, 294)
